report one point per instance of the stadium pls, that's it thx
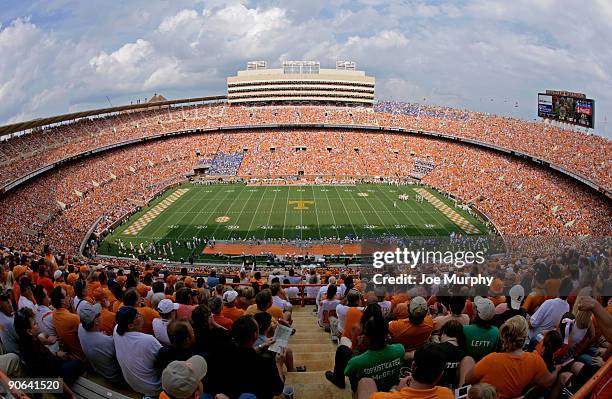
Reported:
(278, 190)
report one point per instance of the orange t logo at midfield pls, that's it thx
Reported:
(301, 204)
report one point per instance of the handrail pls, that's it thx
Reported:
(592, 383)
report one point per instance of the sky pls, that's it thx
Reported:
(59, 56)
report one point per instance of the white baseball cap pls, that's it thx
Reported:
(166, 306)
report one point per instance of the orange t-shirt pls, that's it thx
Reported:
(108, 321)
(353, 317)
(551, 286)
(232, 313)
(534, 300)
(410, 335)
(508, 373)
(274, 311)
(116, 306)
(148, 315)
(67, 327)
(411, 393)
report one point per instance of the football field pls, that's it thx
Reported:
(293, 212)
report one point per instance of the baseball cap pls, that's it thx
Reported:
(485, 309)
(180, 379)
(99, 294)
(418, 306)
(88, 312)
(125, 316)
(57, 274)
(332, 280)
(166, 306)
(517, 294)
(229, 296)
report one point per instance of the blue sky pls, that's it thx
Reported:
(483, 55)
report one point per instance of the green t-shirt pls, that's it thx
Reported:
(479, 342)
(382, 365)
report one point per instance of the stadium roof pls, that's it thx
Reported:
(39, 122)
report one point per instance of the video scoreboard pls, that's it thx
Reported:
(567, 107)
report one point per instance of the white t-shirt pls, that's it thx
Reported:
(9, 338)
(326, 305)
(548, 316)
(281, 303)
(99, 350)
(341, 311)
(160, 330)
(312, 292)
(26, 303)
(136, 354)
(292, 292)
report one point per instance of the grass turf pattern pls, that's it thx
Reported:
(293, 212)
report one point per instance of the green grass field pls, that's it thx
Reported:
(292, 212)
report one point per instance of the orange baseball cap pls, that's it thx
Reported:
(72, 277)
(84, 269)
(99, 294)
(142, 289)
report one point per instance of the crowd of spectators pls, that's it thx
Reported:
(226, 164)
(520, 198)
(586, 155)
(544, 326)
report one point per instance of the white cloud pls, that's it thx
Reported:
(454, 53)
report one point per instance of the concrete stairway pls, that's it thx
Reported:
(313, 348)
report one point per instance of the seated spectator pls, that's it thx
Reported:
(482, 391)
(263, 303)
(348, 315)
(229, 306)
(512, 370)
(216, 306)
(481, 338)
(456, 305)
(26, 299)
(427, 370)
(107, 318)
(44, 318)
(182, 340)
(277, 300)
(40, 361)
(66, 324)
(260, 375)
(136, 352)
(512, 307)
(132, 298)
(167, 311)
(379, 360)
(291, 292)
(8, 336)
(183, 379)
(265, 339)
(451, 344)
(327, 307)
(184, 298)
(414, 331)
(212, 280)
(99, 348)
(548, 316)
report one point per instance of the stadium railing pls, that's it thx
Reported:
(591, 384)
